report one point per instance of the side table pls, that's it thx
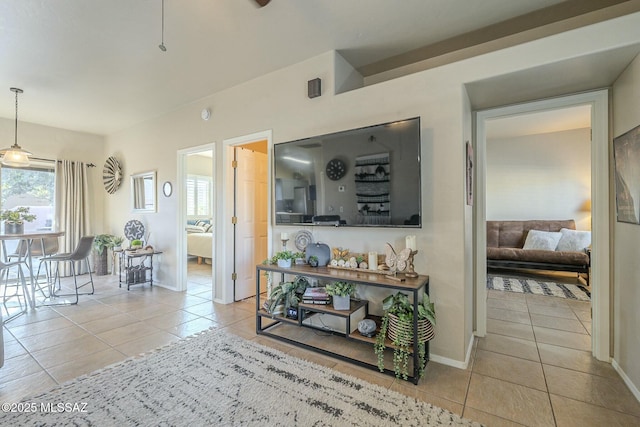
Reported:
(136, 267)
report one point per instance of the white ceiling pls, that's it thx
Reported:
(95, 66)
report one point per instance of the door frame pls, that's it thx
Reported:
(600, 211)
(181, 193)
(225, 211)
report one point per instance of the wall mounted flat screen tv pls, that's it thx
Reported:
(366, 177)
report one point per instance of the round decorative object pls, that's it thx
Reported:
(303, 239)
(134, 230)
(205, 114)
(334, 262)
(367, 327)
(336, 169)
(167, 189)
(112, 175)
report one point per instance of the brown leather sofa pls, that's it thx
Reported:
(505, 240)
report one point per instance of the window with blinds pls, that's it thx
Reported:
(199, 195)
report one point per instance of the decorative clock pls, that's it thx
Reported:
(112, 175)
(335, 169)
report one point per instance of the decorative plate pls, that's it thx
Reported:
(112, 175)
(134, 229)
(303, 239)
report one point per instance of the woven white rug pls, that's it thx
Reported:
(219, 379)
(537, 287)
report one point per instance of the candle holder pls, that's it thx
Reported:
(410, 272)
(284, 244)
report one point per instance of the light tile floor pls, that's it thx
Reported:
(533, 368)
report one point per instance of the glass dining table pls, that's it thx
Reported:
(29, 238)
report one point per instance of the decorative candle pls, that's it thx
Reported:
(411, 242)
(373, 260)
(284, 236)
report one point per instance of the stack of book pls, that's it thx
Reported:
(316, 296)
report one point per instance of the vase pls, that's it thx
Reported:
(13, 227)
(100, 263)
(341, 303)
(284, 263)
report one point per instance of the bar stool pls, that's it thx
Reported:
(81, 253)
(19, 289)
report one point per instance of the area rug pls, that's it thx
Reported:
(537, 287)
(219, 379)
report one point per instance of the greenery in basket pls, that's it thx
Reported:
(341, 289)
(103, 241)
(400, 306)
(19, 215)
(284, 255)
(288, 294)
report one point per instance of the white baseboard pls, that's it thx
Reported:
(626, 379)
(452, 362)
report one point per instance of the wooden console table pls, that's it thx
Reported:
(412, 286)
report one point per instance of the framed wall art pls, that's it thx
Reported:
(626, 152)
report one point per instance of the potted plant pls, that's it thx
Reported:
(14, 219)
(284, 258)
(313, 261)
(397, 324)
(341, 294)
(286, 296)
(136, 244)
(101, 243)
(117, 242)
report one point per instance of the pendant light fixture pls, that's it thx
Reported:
(161, 45)
(15, 155)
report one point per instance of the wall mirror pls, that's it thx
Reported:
(143, 192)
(167, 189)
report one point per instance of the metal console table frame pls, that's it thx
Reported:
(132, 274)
(413, 286)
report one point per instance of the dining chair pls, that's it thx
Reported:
(17, 287)
(81, 253)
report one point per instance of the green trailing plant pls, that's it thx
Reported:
(102, 242)
(19, 215)
(399, 305)
(288, 294)
(341, 289)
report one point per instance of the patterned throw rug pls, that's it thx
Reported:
(538, 287)
(218, 379)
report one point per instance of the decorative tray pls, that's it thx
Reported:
(362, 270)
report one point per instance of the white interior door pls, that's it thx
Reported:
(251, 212)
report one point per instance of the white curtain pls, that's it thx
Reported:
(73, 188)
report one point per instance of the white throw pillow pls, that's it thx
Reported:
(537, 239)
(573, 240)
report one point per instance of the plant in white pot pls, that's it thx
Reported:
(341, 293)
(14, 219)
(284, 258)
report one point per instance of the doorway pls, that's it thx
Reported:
(196, 212)
(598, 102)
(248, 208)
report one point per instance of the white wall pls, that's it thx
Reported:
(626, 116)
(278, 102)
(543, 176)
(57, 144)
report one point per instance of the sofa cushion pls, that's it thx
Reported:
(537, 239)
(574, 240)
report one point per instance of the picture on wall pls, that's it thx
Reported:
(469, 174)
(626, 152)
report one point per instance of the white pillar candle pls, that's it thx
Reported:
(411, 242)
(373, 260)
(284, 236)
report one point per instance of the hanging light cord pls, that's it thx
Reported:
(162, 46)
(15, 142)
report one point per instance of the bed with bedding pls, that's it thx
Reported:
(200, 241)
